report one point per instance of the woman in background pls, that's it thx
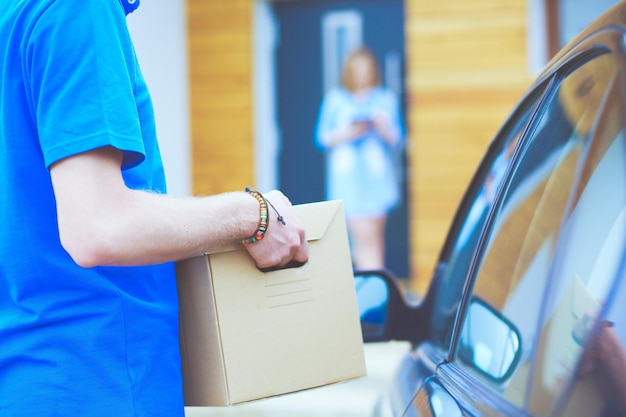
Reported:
(359, 127)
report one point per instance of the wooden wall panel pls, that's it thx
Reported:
(220, 78)
(466, 71)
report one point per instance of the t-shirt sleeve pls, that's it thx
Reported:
(81, 69)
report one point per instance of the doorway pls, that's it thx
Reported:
(307, 40)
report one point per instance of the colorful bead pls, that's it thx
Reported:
(263, 214)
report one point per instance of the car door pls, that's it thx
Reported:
(549, 252)
(418, 384)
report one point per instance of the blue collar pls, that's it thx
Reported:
(129, 5)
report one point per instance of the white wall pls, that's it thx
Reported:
(266, 129)
(536, 37)
(158, 30)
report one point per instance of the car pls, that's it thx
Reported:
(525, 314)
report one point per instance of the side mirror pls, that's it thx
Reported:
(489, 343)
(384, 312)
(373, 301)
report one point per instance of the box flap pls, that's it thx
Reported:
(316, 217)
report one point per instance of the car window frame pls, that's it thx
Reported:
(529, 104)
(618, 49)
(553, 79)
(580, 55)
(457, 380)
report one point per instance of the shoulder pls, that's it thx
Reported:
(54, 21)
(334, 99)
(384, 97)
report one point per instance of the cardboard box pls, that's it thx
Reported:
(247, 335)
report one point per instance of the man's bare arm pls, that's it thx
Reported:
(102, 222)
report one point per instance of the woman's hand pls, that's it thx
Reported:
(383, 126)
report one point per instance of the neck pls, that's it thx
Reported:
(362, 92)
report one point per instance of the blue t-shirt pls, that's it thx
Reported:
(364, 173)
(76, 341)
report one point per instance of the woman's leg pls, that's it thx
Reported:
(368, 242)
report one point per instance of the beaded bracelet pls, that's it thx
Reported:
(263, 222)
(260, 232)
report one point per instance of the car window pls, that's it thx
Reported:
(587, 260)
(519, 255)
(599, 386)
(459, 249)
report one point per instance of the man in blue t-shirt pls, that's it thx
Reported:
(88, 302)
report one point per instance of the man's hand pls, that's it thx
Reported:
(282, 244)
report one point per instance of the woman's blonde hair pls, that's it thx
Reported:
(347, 77)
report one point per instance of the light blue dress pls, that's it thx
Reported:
(364, 174)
